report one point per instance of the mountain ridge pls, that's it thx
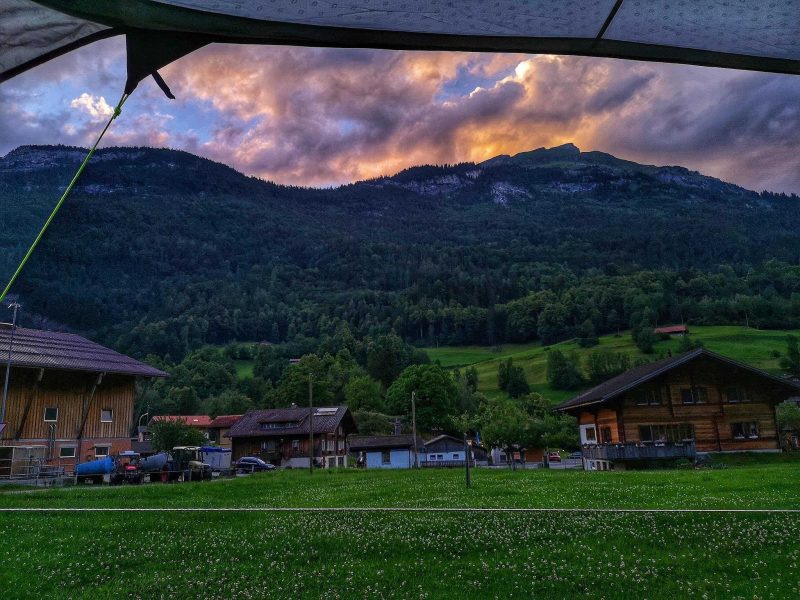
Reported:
(161, 251)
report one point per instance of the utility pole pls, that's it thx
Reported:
(467, 460)
(15, 306)
(414, 427)
(310, 423)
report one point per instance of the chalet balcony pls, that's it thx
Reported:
(644, 451)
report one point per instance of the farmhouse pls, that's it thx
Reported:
(199, 422)
(218, 429)
(281, 435)
(698, 401)
(69, 398)
(387, 451)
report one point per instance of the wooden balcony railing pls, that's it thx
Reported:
(644, 451)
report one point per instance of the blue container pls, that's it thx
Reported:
(154, 463)
(101, 466)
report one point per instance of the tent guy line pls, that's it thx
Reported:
(409, 510)
(114, 115)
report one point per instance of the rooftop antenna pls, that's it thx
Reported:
(16, 306)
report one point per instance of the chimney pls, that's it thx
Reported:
(398, 426)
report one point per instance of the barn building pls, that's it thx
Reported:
(672, 408)
(281, 435)
(69, 398)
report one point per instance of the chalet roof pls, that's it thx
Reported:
(40, 349)
(636, 376)
(384, 442)
(295, 420)
(191, 420)
(223, 421)
(672, 329)
(442, 437)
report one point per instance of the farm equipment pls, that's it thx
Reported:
(95, 471)
(126, 469)
(189, 461)
(218, 458)
(123, 468)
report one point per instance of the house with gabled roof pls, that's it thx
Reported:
(69, 400)
(388, 451)
(219, 427)
(282, 435)
(449, 451)
(699, 401)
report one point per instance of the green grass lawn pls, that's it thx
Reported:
(390, 555)
(347, 554)
(244, 368)
(752, 346)
(768, 485)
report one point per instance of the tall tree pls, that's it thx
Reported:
(436, 395)
(791, 362)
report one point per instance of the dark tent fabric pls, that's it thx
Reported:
(31, 34)
(742, 34)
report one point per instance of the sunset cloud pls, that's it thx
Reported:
(322, 117)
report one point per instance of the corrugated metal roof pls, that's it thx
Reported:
(295, 422)
(672, 329)
(36, 348)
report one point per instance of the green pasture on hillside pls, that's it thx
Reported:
(752, 346)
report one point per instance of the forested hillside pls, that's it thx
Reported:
(161, 252)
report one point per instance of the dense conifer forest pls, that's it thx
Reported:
(161, 252)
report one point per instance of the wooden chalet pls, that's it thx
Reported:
(672, 408)
(281, 435)
(69, 399)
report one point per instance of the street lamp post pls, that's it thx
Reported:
(15, 306)
(414, 427)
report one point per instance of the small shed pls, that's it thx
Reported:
(387, 451)
(448, 451)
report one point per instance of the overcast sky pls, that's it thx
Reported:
(322, 116)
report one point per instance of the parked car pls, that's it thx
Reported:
(577, 455)
(253, 464)
(553, 457)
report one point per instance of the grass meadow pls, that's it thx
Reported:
(414, 554)
(752, 346)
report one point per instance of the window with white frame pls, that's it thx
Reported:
(101, 450)
(106, 415)
(51, 414)
(735, 394)
(646, 397)
(744, 430)
(694, 395)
